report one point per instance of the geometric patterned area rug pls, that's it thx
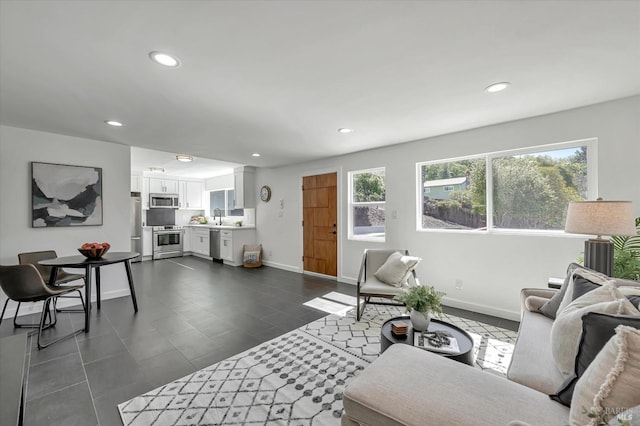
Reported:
(295, 379)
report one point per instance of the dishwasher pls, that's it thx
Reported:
(214, 245)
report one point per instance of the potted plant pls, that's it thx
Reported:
(421, 301)
(626, 255)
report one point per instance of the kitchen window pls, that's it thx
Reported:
(367, 196)
(224, 200)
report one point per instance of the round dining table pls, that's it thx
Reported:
(82, 262)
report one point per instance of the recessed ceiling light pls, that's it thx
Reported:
(345, 130)
(165, 59)
(497, 87)
(184, 158)
(114, 123)
(156, 169)
(255, 154)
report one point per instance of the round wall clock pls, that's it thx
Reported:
(265, 193)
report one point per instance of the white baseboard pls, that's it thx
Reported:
(482, 309)
(281, 266)
(315, 274)
(36, 307)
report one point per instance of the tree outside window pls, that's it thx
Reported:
(528, 190)
(367, 202)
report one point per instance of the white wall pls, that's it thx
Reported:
(219, 182)
(493, 267)
(18, 148)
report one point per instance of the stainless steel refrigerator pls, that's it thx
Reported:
(136, 225)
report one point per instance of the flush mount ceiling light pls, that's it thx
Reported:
(156, 169)
(184, 158)
(114, 123)
(164, 59)
(497, 87)
(255, 154)
(345, 130)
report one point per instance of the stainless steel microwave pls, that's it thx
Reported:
(163, 201)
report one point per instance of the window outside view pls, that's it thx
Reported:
(223, 200)
(367, 204)
(530, 191)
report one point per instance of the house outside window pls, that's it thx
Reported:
(366, 204)
(525, 190)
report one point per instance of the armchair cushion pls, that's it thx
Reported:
(374, 286)
(396, 269)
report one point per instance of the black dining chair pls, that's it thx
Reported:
(63, 277)
(23, 283)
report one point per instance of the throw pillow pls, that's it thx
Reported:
(632, 293)
(610, 383)
(586, 273)
(582, 286)
(550, 309)
(396, 269)
(566, 329)
(597, 329)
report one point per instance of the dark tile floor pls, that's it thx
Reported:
(193, 313)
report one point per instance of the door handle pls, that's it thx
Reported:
(334, 232)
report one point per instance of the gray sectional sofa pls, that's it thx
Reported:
(410, 386)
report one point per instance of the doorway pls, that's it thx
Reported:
(319, 223)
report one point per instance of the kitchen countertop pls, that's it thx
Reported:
(209, 225)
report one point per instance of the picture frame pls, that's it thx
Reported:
(65, 195)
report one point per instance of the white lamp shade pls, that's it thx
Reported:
(614, 218)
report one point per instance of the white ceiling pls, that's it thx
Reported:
(143, 159)
(280, 77)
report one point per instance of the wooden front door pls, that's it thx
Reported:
(320, 226)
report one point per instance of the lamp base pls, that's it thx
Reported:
(598, 255)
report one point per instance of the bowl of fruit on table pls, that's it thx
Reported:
(94, 250)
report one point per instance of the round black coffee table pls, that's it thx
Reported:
(465, 342)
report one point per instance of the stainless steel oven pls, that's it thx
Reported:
(167, 241)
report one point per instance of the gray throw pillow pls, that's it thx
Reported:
(597, 329)
(550, 309)
(610, 383)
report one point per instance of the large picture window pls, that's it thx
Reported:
(366, 204)
(527, 189)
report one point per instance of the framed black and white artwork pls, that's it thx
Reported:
(65, 195)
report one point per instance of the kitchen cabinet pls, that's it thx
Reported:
(144, 194)
(136, 183)
(186, 239)
(147, 242)
(163, 186)
(244, 185)
(200, 241)
(232, 243)
(190, 195)
(226, 245)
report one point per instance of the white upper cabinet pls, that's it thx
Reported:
(193, 192)
(163, 186)
(244, 182)
(190, 195)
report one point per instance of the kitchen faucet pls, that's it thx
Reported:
(217, 212)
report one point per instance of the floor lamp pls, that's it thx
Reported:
(613, 218)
